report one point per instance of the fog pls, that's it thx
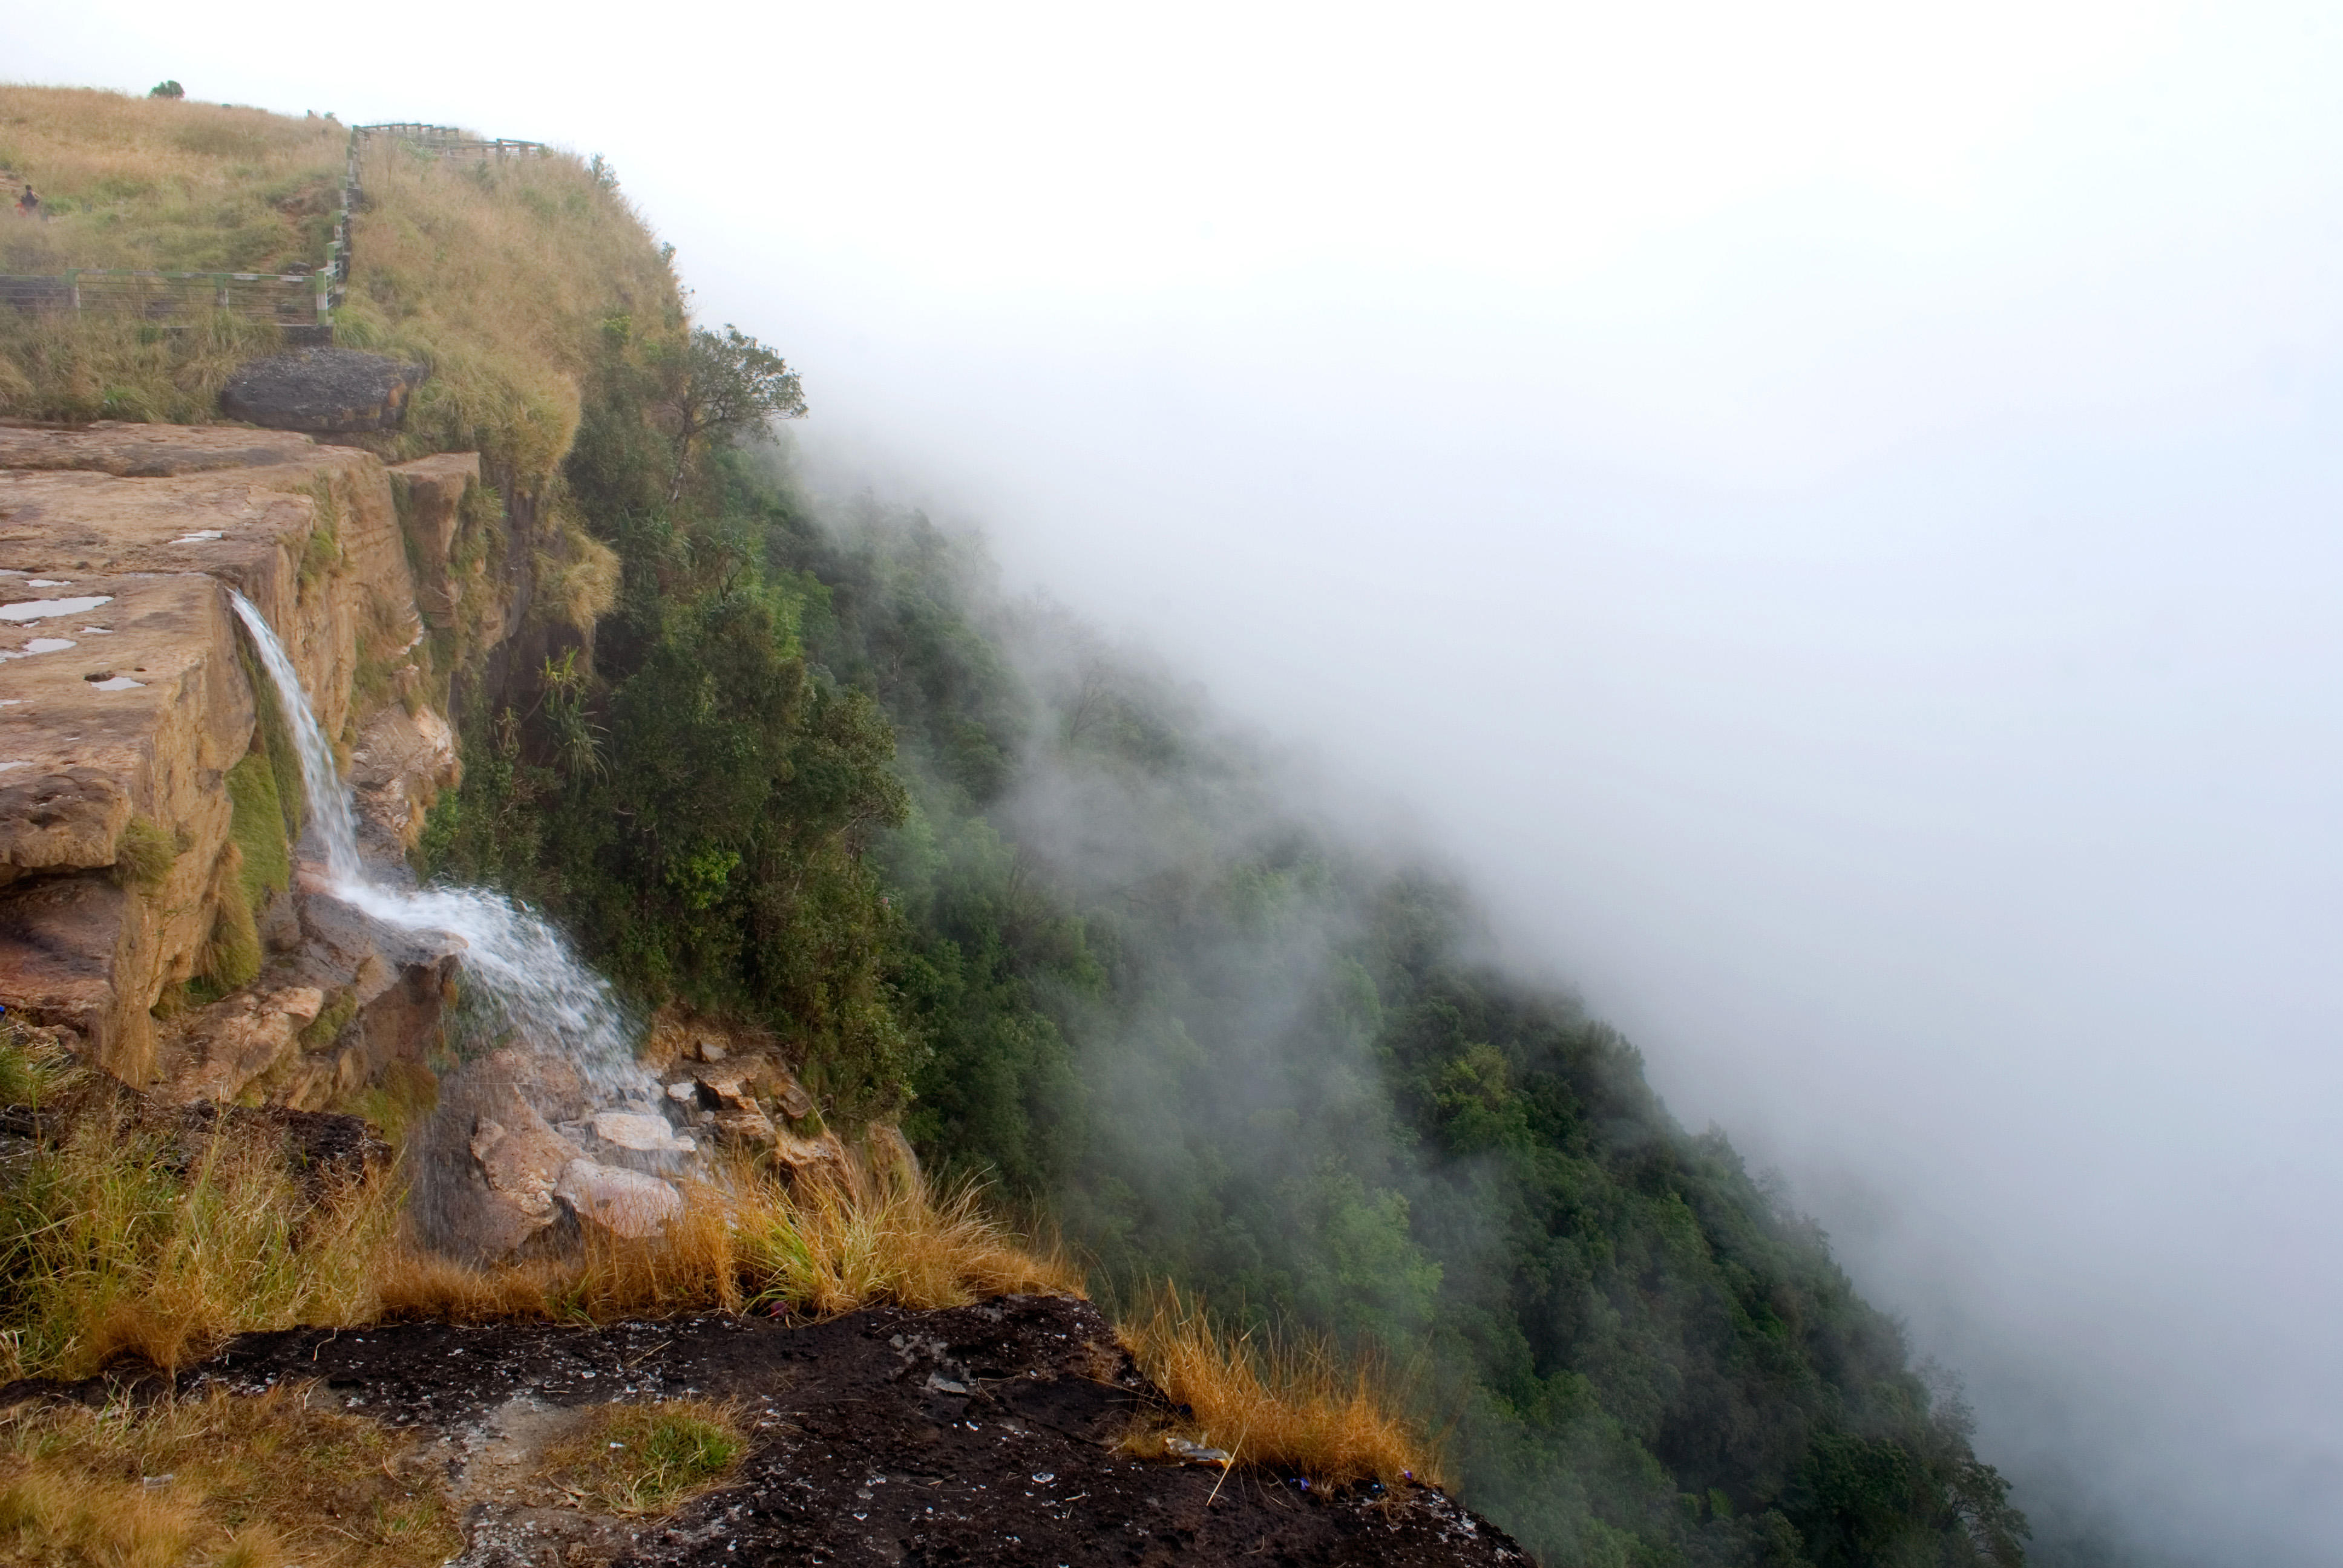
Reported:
(1830, 518)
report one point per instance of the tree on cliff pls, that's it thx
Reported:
(726, 383)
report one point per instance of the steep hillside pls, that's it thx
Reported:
(817, 798)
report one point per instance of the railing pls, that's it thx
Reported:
(300, 299)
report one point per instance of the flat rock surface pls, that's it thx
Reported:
(130, 451)
(981, 1434)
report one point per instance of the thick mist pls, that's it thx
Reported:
(1829, 516)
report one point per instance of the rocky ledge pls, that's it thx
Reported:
(991, 1434)
(126, 700)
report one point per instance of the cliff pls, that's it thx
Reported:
(132, 866)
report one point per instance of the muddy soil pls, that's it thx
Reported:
(982, 1434)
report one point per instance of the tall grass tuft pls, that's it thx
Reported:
(1295, 1404)
(649, 1458)
(819, 1249)
(123, 1241)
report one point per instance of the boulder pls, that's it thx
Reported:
(746, 1125)
(487, 1162)
(790, 1096)
(520, 1166)
(626, 1203)
(336, 391)
(821, 1159)
(638, 1133)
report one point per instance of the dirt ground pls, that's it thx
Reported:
(981, 1434)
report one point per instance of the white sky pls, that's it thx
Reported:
(1830, 510)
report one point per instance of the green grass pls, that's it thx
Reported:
(258, 824)
(232, 956)
(144, 855)
(113, 1243)
(648, 1458)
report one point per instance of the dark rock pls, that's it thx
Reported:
(321, 1147)
(327, 390)
(978, 1436)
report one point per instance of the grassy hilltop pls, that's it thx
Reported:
(991, 882)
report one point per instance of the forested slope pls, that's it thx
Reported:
(982, 872)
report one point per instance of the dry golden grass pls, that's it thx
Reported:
(1295, 1406)
(218, 1480)
(117, 1244)
(170, 184)
(77, 368)
(122, 1242)
(819, 1249)
(506, 277)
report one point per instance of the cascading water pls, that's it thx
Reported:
(514, 957)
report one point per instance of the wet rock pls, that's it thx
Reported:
(747, 1127)
(624, 1202)
(114, 543)
(228, 1045)
(430, 493)
(336, 391)
(790, 1096)
(402, 762)
(732, 1109)
(520, 1166)
(642, 1134)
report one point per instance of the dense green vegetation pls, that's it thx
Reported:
(985, 874)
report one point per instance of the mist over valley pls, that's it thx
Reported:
(1424, 573)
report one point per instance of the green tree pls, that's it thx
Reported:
(727, 384)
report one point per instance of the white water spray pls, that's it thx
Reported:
(512, 954)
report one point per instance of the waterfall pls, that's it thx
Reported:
(321, 780)
(522, 966)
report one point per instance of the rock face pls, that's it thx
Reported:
(399, 767)
(329, 391)
(245, 1038)
(127, 697)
